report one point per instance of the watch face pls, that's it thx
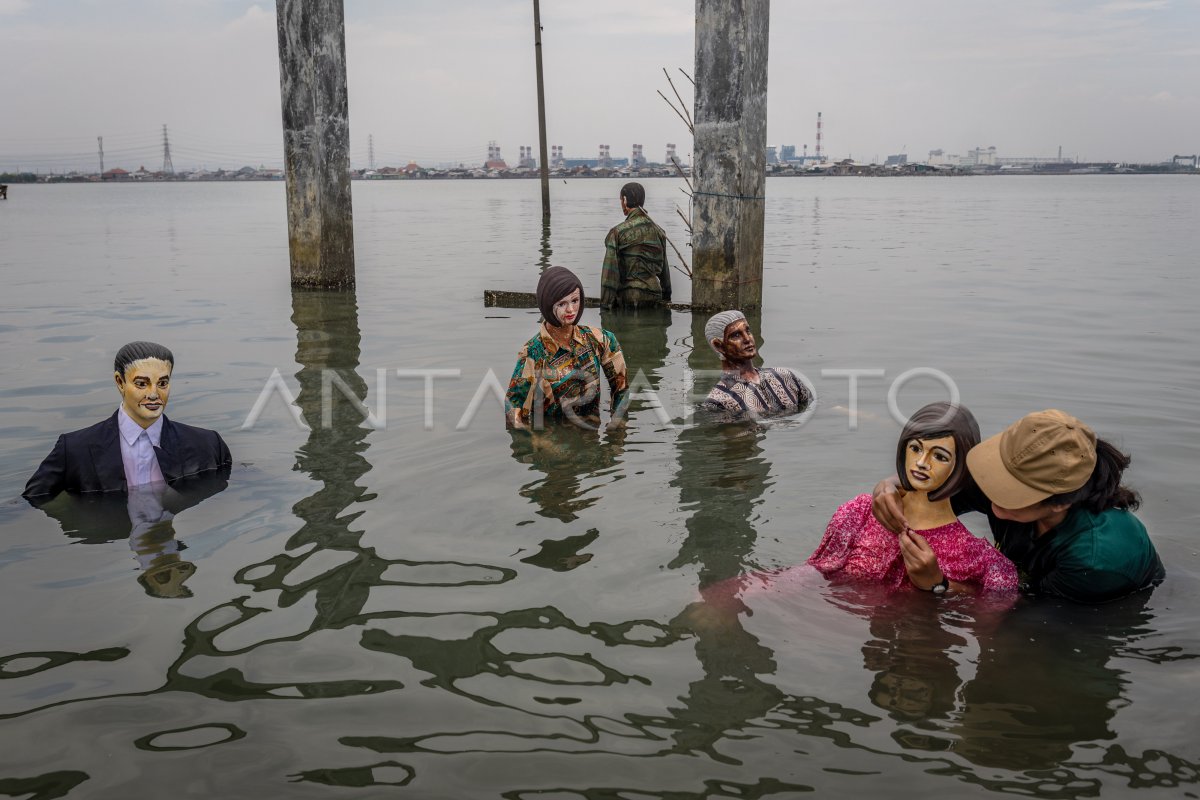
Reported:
(941, 587)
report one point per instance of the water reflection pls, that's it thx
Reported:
(152, 539)
(565, 454)
(328, 342)
(1026, 713)
(101, 517)
(643, 337)
(43, 787)
(334, 567)
(722, 476)
(911, 653)
(145, 515)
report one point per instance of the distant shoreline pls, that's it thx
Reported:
(839, 171)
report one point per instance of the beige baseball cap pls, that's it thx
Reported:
(1042, 454)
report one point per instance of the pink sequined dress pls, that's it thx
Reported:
(857, 548)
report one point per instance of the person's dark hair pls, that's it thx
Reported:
(634, 194)
(935, 421)
(1103, 489)
(136, 351)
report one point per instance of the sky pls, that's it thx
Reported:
(435, 80)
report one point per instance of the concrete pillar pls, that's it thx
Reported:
(729, 153)
(316, 141)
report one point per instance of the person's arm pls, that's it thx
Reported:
(519, 386)
(612, 361)
(49, 478)
(610, 271)
(887, 505)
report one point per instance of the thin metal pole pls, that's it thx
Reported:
(542, 161)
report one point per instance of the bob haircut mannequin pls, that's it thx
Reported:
(936, 421)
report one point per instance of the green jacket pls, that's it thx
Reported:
(635, 257)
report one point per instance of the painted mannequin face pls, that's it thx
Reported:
(929, 462)
(567, 309)
(144, 389)
(738, 344)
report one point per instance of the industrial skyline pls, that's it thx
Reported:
(433, 82)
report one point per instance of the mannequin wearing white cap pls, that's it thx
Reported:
(746, 391)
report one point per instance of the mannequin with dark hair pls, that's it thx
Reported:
(635, 272)
(930, 458)
(1053, 496)
(137, 445)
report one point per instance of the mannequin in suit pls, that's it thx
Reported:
(137, 445)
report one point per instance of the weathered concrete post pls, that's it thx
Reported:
(729, 153)
(316, 141)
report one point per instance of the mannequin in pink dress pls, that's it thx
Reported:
(931, 463)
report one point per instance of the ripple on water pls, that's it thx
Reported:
(192, 738)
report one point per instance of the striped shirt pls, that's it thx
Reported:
(778, 391)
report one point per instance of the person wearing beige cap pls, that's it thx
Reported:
(1052, 492)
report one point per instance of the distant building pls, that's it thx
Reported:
(556, 157)
(787, 153)
(494, 161)
(979, 157)
(1186, 161)
(115, 174)
(772, 156)
(897, 160)
(605, 160)
(527, 161)
(637, 159)
(671, 157)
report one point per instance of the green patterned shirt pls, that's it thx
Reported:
(635, 257)
(565, 376)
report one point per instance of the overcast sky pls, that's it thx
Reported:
(435, 80)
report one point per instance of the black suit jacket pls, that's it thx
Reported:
(89, 459)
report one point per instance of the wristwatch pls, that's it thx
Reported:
(941, 587)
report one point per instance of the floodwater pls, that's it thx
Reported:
(431, 607)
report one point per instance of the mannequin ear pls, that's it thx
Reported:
(719, 344)
(120, 379)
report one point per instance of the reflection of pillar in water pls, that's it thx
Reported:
(328, 347)
(722, 474)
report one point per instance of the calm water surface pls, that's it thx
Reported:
(418, 610)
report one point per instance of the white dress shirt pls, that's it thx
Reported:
(137, 450)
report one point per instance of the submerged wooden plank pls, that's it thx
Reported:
(498, 298)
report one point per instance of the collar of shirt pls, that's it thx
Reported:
(732, 376)
(552, 346)
(635, 212)
(130, 430)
